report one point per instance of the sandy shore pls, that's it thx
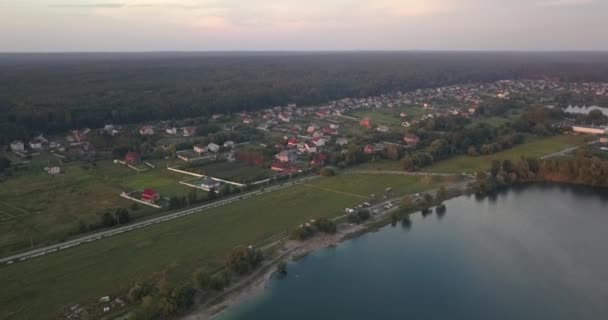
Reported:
(254, 285)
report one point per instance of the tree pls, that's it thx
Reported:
(442, 195)
(242, 260)
(201, 279)
(107, 220)
(327, 172)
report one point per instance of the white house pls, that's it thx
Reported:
(383, 129)
(53, 170)
(213, 147)
(208, 183)
(341, 141)
(229, 144)
(17, 146)
(200, 149)
(171, 130)
(35, 145)
(146, 131)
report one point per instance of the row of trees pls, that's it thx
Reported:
(581, 169)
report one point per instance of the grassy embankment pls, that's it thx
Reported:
(40, 287)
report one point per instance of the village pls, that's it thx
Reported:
(171, 165)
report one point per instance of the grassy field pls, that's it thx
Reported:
(36, 208)
(40, 287)
(235, 171)
(534, 148)
(381, 116)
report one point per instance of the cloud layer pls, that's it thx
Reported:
(72, 25)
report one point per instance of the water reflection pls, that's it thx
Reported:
(516, 255)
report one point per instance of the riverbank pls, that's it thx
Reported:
(254, 285)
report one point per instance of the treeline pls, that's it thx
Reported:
(589, 171)
(445, 137)
(162, 299)
(53, 93)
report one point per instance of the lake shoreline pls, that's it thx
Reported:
(255, 285)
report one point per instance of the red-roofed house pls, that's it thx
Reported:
(150, 195)
(292, 142)
(132, 158)
(369, 149)
(146, 131)
(366, 122)
(411, 139)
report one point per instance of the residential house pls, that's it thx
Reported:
(200, 149)
(35, 145)
(284, 118)
(146, 131)
(17, 146)
(341, 141)
(229, 144)
(210, 184)
(213, 147)
(53, 170)
(188, 131)
(292, 142)
(132, 158)
(311, 147)
(247, 120)
(280, 166)
(373, 148)
(319, 142)
(366, 122)
(171, 130)
(287, 155)
(383, 129)
(150, 195)
(319, 159)
(411, 140)
(312, 128)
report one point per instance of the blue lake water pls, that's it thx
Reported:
(535, 252)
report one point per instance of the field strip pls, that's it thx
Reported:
(338, 192)
(14, 208)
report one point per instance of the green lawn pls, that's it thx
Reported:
(380, 116)
(235, 171)
(38, 208)
(40, 287)
(534, 148)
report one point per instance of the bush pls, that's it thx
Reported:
(302, 233)
(326, 172)
(201, 279)
(326, 225)
(242, 260)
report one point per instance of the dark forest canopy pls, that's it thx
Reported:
(56, 92)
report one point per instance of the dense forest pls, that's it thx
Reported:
(55, 92)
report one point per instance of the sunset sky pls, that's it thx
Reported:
(164, 25)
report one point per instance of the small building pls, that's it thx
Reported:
(132, 158)
(210, 184)
(411, 140)
(146, 131)
(150, 195)
(171, 130)
(188, 131)
(17, 146)
(229, 144)
(287, 156)
(341, 141)
(368, 149)
(213, 147)
(383, 129)
(319, 142)
(373, 148)
(200, 149)
(366, 123)
(279, 166)
(310, 147)
(292, 142)
(35, 145)
(53, 170)
(589, 130)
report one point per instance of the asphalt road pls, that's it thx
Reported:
(142, 224)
